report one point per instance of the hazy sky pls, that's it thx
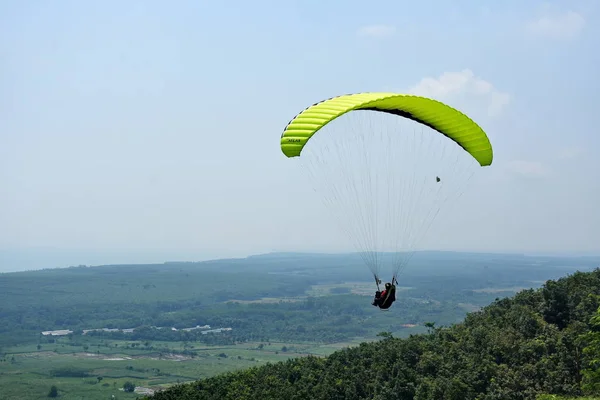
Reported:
(136, 131)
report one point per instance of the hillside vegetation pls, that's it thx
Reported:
(543, 341)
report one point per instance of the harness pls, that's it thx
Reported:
(392, 290)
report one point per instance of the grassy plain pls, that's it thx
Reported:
(102, 369)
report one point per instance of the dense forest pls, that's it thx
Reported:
(541, 341)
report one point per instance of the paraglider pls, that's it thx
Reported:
(385, 299)
(374, 175)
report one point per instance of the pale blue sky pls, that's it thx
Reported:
(141, 131)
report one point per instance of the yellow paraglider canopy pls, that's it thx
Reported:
(439, 116)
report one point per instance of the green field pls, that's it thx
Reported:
(101, 370)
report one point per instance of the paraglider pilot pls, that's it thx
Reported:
(385, 299)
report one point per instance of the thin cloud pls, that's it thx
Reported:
(376, 31)
(565, 26)
(463, 84)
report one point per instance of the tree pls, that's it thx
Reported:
(385, 335)
(430, 326)
(53, 391)
(591, 374)
(128, 387)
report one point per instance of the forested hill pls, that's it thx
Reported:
(540, 341)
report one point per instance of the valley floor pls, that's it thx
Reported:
(102, 369)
